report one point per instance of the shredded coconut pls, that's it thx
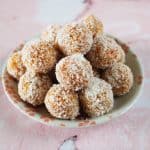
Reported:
(33, 88)
(62, 103)
(74, 72)
(97, 98)
(104, 52)
(74, 38)
(120, 77)
(15, 65)
(93, 24)
(39, 56)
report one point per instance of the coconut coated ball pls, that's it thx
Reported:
(93, 24)
(74, 72)
(62, 103)
(15, 65)
(121, 50)
(120, 77)
(32, 88)
(104, 52)
(74, 38)
(50, 33)
(39, 56)
(97, 98)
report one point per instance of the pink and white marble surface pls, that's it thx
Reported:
(126, 19)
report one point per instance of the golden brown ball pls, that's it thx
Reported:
(62, 103)
(120, 77)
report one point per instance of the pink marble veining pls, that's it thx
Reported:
(127, 19)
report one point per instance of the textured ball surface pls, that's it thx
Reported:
(104, 52)
(93, 24)
(97, 98)
(74, 38)
(33, 88)
(62, 103)
(121, 50)
(120, 77)
(74, 72)
(39, 56)
(15, 65)
(50, 34)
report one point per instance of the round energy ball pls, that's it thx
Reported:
(74, 38)
(93, 24)
(122, 53)
(104, 52)
(62, 103)
(32, 88)
(74, 72)
(50, 33)
(97, 98)
(120, 77)
(15, 65)
(39, 56)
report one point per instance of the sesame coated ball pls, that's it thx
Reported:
(32, 88)
(74, 38)
(50, 33)
(62, 103)
(15, 65)
(93, 24)
(97, 98)
(39, 56)
(120, 77)
(121, 50)
(104, 52)
(74, 72)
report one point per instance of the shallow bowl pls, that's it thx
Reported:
(122, 104)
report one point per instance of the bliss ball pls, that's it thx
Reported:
(120, 77)
(104, 52)
(121, 50)
(62, 103)
(15, 65)
(97, 98)
(39, 56)
(32, 88)
(74, 72)
(93, 24)
(50, 33)
(74, 38)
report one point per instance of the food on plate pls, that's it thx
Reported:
(50, 34)
(74, 38)
(74, 72)
(32, 88)
(15, 65)
(62, 103)
(97, 98)
(93, 24)
(39, 56)
(120, 77)
(104, 52)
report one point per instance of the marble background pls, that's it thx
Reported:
(126, 19)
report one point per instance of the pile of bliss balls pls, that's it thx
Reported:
(71, 68)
